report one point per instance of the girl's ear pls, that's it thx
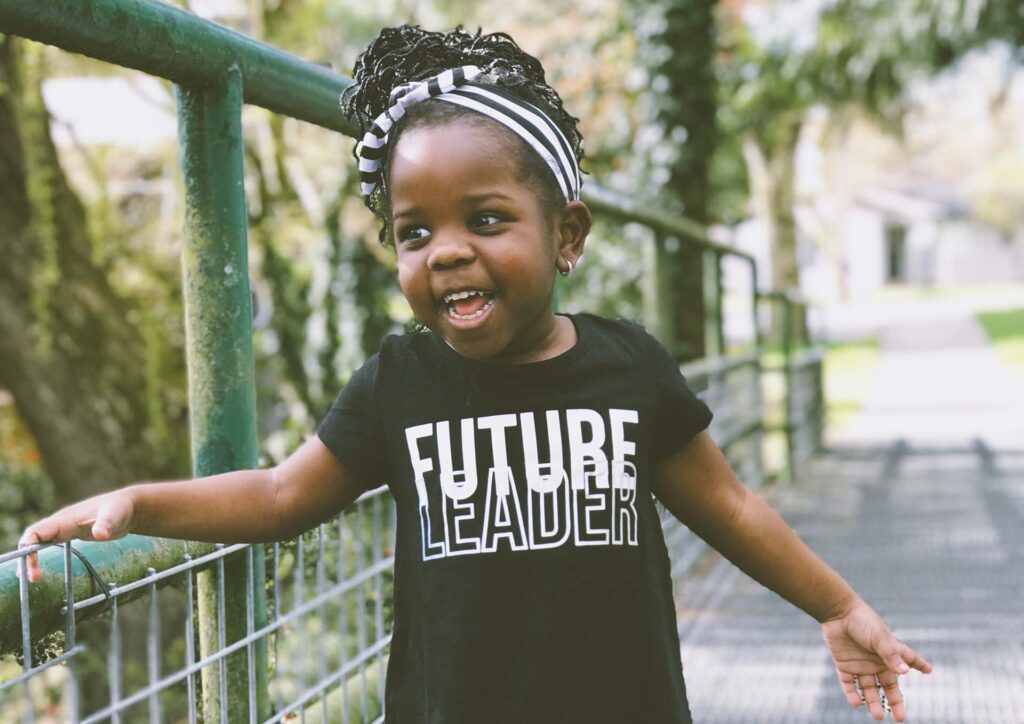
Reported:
(572, 227)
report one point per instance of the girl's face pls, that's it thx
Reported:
(476, 254)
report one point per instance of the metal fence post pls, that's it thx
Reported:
(714, 329)
(658, 289)
(787, 356)
(757, 392)
(218, 313)
(755, 300)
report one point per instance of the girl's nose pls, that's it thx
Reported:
(449, 251)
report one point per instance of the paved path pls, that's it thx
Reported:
(920, 505)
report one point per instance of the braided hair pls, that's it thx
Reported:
(408, 53)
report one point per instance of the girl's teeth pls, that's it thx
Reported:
(474, 315)
(455, 296)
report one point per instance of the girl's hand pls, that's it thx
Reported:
(103, 517)
(862, 646)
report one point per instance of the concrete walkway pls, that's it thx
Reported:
(939, 382)
(920, 505)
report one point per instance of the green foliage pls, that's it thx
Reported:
(1003, 325)
(997, 193)
(610, 279)
(676, 47)
(868, 51)
(862, 53)
(26, 494)
(852, 56)
(290, 292)
(1006, 330)
(324, 288)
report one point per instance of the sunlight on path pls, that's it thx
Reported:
(939, 381)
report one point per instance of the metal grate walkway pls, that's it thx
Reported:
(928, 526)
(933, 538)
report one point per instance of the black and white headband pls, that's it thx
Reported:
(455, 86)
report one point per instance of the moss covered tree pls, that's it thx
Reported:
(677, 49)
(74, 351)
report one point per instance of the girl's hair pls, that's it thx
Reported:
(409, 53)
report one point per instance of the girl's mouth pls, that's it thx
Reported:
(467, 305)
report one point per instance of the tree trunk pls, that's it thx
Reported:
(772, 172)
(69, 353)
(683, 83)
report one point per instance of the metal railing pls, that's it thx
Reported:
(271, 632)
(335, 597)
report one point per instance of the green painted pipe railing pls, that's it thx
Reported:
(221, 376)
(166, 41)
(115, 562)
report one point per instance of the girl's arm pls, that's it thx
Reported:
(243, 506)
(699, 487)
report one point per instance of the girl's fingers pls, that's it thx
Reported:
(890, 685)
(104, 525)
(900, 658)
(850, 689)
(29, 538)
(915, 660)
(58, 528)
(891, 651)
(111, 520)
(880, 693)
(871, 697)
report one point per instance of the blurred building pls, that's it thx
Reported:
(921, 238)
(926, 237)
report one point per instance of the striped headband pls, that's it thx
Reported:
(455, 86)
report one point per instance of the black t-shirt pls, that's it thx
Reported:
(531, 576)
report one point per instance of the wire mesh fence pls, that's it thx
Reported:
(806, 403)
(731, 386)
(131, 652)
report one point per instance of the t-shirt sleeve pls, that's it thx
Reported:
(352, 429)
(679, 414)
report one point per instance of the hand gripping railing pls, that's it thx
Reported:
(338, 618)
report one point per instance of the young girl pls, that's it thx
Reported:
(522, 447)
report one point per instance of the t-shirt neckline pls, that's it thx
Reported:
(527, 368)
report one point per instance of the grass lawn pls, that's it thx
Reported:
(849, 367)
(1006, 330)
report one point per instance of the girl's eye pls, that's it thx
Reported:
(486, 219)
(413, 234)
